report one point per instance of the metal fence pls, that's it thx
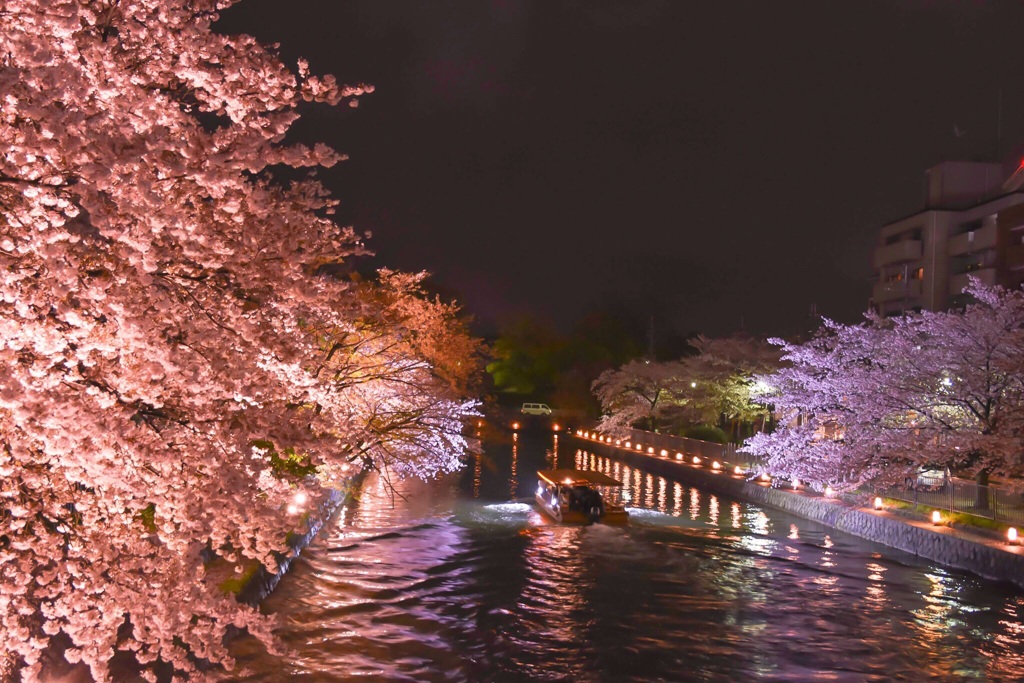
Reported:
(961, 495)
(681, 444)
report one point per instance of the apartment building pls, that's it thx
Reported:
(972, 224)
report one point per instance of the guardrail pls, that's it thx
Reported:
(954, 495)
(668, 446)
(959, 495)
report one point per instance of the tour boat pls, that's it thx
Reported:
(571, 497)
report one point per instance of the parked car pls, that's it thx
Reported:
(535, 409)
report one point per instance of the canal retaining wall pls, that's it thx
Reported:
(950, 547)
(263, 582)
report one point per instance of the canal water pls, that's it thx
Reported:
(455, 581)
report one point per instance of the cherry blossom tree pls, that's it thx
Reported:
(722, 379)
(164, 332)
(640, 393)
(715, 384)
(870, 403)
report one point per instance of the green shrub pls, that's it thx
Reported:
(706, 433)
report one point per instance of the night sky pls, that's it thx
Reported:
(718, 165)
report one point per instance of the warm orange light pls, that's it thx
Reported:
(292, 508)
(618, 442)
(696, 460)
(936, 517)
(663, 452)
(515, 425)
(1011, 535)
(796, 483)
(679, 456)
(628, 444)
(650, 449)
(878, 502)
(639, 447)
(828, 491)
(555, 427)
(737, 470)
(579, 432)
(567, 481)
(765, 477)
(716, 465)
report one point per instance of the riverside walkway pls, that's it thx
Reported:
(714, 468)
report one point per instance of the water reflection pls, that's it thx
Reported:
(513, 480)
(452, 582)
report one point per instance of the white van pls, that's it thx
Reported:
(535, 409)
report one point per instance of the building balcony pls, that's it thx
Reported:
(975, 240)
(897, 252)
(958, 282)
(897, 290)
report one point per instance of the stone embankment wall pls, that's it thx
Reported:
(990, 558)
(263, 582)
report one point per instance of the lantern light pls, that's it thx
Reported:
(301, 498)
(1011, 535)
(878, 502)
(292, 508)
(679, 456)
(650, 450)
(829, 492)
(936, 517)
(618, 442)
(696, 460)
(765, 477)
(664, 452)
(639, 447)
(716, 465)
(515, 425)
(796, 483)
(738, 470)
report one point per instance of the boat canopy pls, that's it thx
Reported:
(577, 478)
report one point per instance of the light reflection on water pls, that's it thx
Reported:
(456, 583)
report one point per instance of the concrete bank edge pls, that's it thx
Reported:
(262, 582)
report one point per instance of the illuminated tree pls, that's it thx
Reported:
(871, 403)
(641, 393)
(722, 379)
(163, 331)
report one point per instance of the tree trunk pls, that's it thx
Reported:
(981, 499)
